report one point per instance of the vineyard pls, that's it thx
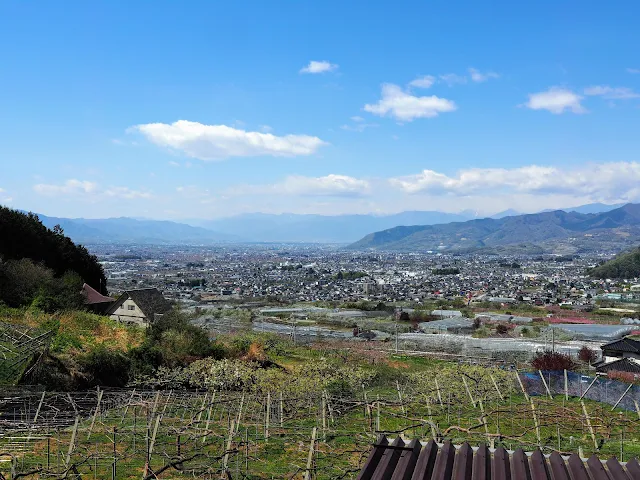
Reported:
(314, 418)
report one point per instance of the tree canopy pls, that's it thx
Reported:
(625, 265)
(22, 235)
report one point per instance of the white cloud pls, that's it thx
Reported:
(358, 127)
(3, 196)
(611, 93)
(330, 185)
(85, 188)
(70, 187)
(319, 67)
(478, 76)
(423, 82)
(613, 181)
(405, 107)
(556, 100)
(216, 142)
(452, 79)
(173, 164)
(634, 71)
(125, 192)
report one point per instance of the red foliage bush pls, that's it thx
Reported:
(587, 355)
(549, 360)
(626, 377)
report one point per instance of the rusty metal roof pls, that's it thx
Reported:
(413, 461)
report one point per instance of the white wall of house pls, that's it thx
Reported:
(631, 356)
(129, 312)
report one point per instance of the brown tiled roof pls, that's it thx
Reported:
(92, 296)
(413, 461)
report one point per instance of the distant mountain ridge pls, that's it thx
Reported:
(556, 231)
(307, 228)
(254, 227)
(126, 230)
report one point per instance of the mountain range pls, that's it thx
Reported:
(124, 230)
(258, 227)
(556, 231)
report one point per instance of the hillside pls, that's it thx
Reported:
(625, 265)
(24, 236)
(556, 231)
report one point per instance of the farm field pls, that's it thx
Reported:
(312, 412)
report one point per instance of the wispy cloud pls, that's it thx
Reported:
(4, 196)
(611, 93)
(478, 76)
(634, 71)
(328, 186)
(217, 142)
(556, 100)
(406, 107)
(425, 81)
(453, 79)
(315, 66)
(602, 182)
(85, 188)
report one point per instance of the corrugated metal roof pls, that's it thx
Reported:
(413, 461)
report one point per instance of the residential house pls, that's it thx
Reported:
(620, 355)
(138, 306)
(94, 300)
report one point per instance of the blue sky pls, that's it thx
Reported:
(206, 109)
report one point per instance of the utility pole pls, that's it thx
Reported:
(396, 335)
(553, 340)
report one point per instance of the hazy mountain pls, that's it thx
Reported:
(262, 227)
(128, 230)
(591, 208)
(552, 231)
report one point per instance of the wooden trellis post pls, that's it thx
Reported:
(438, 390)
(591, 431)
(400, 397)
(524, 392)
(466, 386)
(495, 384)
(484, 420)
(72, 442)
(620, 399)
(206, 426)
(281, 410)
(307, 473)
(535, 421)
(95, 413)
(266, 421)
(225, 459)
(546, 387)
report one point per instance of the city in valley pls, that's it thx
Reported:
(319, 240)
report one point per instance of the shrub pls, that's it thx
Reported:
(501, 329)
(587, 355)
(106, 367)
(549, 360)
(626, 377)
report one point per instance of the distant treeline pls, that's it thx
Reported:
(36, 262)
(350, 275)
(446, 271)
(625, 265)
